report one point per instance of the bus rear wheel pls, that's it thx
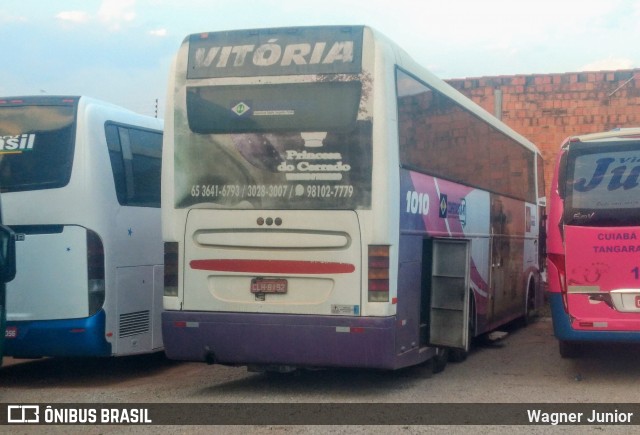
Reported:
(458, 355)
(439, 360)
(530, 314)
(569, 349)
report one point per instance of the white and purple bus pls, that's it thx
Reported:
(80, 182)
(328, 202)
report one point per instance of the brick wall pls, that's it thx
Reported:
(547, 108)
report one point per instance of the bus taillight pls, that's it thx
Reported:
(95, 272)
(558, 261)
(171, 269)
(378, 273)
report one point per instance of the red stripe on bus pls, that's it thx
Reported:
(273, 266)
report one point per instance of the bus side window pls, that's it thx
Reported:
(117, 162)
(136, 163)
(146, 159)
(127, 158)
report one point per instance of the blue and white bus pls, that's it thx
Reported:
(80, 183)
(328, 202)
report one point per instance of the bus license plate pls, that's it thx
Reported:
(261, 285)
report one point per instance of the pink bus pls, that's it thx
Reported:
(593, 240)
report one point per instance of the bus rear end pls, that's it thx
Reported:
(267, 198)
(53, 304)
(7, 273)
(594, 240)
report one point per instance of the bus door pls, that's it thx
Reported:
(449, 299)
(507, 257)
(499, 259)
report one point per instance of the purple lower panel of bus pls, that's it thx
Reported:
(276, 339)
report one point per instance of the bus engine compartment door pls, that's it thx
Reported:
(449, 305)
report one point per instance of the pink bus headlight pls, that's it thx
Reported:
(95, 272)
(171, 269)
(378, 273)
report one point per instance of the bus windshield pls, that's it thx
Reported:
(602, 186)
(36, 146)
(277, 146)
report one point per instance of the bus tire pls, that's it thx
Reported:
(568, 349)
(458, 355)
(439, 360)
(530, 314)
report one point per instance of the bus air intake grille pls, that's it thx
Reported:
(134, 323)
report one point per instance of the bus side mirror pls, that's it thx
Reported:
(7, 254)
(562, 176)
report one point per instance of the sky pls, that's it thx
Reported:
(121, 50)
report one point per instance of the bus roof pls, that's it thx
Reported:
(81, 101)
(39, 99)
(272, 30)
(55, 99)
(401, 58)
(612, 135)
